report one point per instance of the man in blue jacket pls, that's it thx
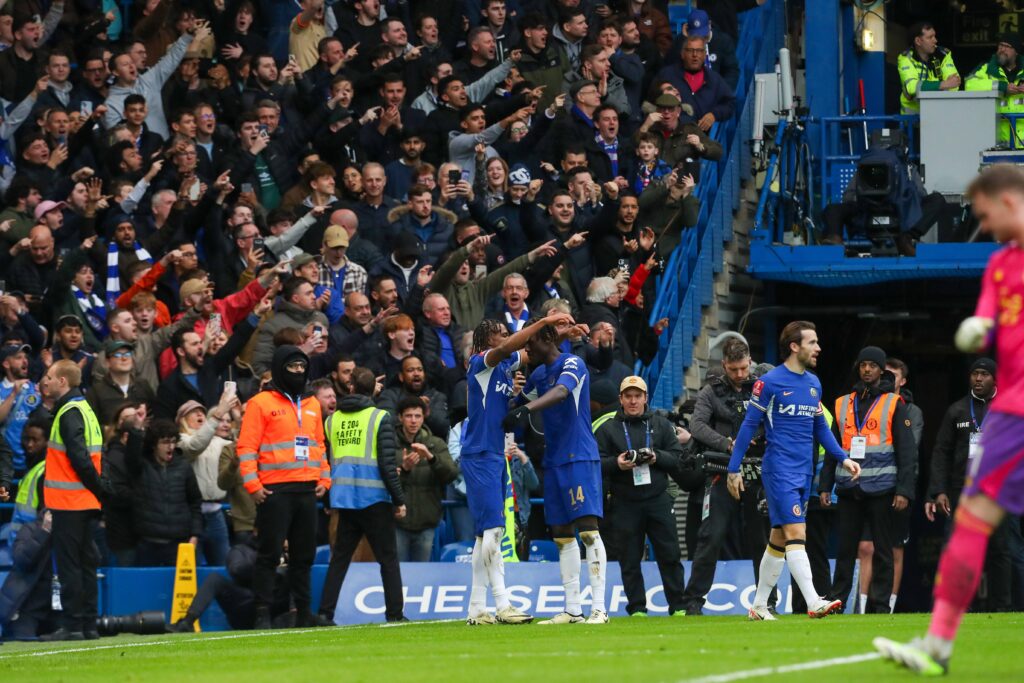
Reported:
(699, 86)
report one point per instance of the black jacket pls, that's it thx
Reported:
(166, 501)
(437, 417)
(611, 440)
(387, 454)
(952, 446)
(718, 414)
(117, 509)
(902, 441)
(31, 555)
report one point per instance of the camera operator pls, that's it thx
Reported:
(717, 416)
(639, 451)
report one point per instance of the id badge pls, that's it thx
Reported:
(858, 447)
(302, 448)
(641, 475)
(974, 449)
(706, 508)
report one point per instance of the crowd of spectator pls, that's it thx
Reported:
(179, 200)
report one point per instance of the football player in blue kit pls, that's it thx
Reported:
(560, 389)
(490, 378)
(788, 400)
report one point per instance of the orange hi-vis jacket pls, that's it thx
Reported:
(62, 487)
(267, 450)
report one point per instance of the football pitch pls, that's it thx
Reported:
(654, 649)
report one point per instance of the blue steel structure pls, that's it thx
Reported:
(686, 286)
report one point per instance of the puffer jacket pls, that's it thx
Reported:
(287, 315)
(424, 484)
(165, 498)
(436, 240)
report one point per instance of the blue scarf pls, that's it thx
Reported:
(113, 274)
(93, 309)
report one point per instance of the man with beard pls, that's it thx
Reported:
(401, 173)
(19, 396)
(412, 381)
(628, 244)
(357, 334)
(68, 344)
(1005, 72)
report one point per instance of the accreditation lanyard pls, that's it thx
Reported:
(301, 448)
(647, 436)
(861, 422)
(859, 443)
(978, 427)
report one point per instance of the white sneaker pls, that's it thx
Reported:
(510, 615)
(758, 613)
(598, 617)
(563, 618)
(482, 619)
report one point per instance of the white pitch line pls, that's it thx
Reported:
(232, 636)
(785, 669)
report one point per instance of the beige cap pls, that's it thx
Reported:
(633, 382)
(335, 236)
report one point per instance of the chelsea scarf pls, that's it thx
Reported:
(114, 276)
(93, 309)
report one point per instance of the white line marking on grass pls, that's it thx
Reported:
(785, 669)
(232, 636)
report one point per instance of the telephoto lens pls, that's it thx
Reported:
(140, 623)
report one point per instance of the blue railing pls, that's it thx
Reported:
(687, 284)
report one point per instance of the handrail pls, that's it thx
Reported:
(686, 286)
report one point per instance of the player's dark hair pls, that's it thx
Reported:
(734, 350)
(793, 333)
(548, 334)
(482, 334)
(916, 29)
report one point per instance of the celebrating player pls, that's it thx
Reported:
(790, 397)
(560, 386)
(995, 481)
(496, 358)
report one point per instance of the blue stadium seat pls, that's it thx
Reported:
(543, 551)
(457, 552)
(678, 13)
(323, 554)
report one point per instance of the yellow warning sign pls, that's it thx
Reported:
(184, 582)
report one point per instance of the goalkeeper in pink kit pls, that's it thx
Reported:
(995, 479)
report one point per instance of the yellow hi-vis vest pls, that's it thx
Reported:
(355, 472)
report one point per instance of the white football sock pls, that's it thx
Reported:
(597, 562)
(569, 566)
(478, 594)
(768, 574)
(800, 569)
(892, 603)
(494, 563)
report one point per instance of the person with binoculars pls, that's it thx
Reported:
(639, 452)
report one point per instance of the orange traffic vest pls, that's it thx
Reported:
(62, 488)
(878, 468)
(269, 451)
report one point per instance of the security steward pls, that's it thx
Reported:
(284, 469)
(366, 492)
(957, 445)
(925, 66)
(1005, 72)
(639, 452)
(872, 424)
(72, 490)
(717, 416)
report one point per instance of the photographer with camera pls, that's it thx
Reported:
(717, 416)
(639, 451)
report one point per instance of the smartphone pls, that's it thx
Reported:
(454, 176)
(230, 387)
(215, 321)
(318, 329)
(86, 108)
(480, 271)
(317, 336)
(258, 243)
(247, 188)
(193, 192)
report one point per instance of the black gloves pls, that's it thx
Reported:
(512, 419)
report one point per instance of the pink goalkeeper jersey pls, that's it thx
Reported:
(1002, 296)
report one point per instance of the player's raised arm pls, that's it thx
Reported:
(517, 341)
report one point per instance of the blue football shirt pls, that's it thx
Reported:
(568, 435)
(489, 392)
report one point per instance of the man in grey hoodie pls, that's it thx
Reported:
(462, 146)
(129, 81)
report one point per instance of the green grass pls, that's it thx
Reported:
(656, 649)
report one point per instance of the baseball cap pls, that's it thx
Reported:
(190, 287)
(114, 345)
(13, 350)
(67, 320)
(186, 408)
(633, 382)
(667, 100)
(335, 236)
(301, 260)
(698, 23)
(45, 207)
